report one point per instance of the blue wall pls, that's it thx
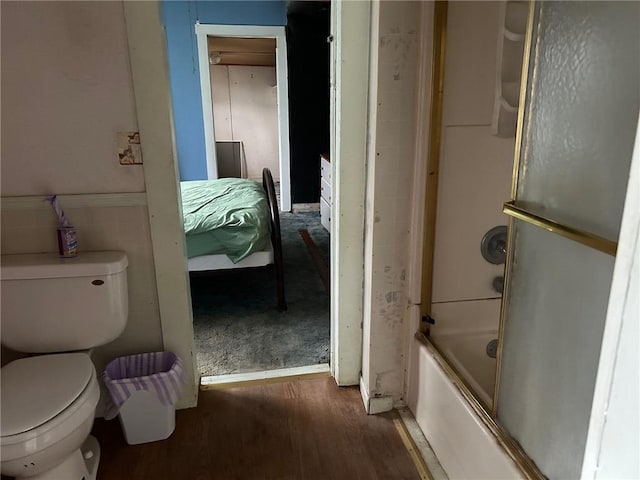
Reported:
(179, 18)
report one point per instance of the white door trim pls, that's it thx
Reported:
(617, 377)
(350, 22)
(247, 31)
(150, 75)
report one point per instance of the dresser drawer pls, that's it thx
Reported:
(325, 170)
(325, 191)
(325, 214)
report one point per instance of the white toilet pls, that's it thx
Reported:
(48, 401)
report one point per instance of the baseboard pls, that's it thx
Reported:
(374, 405)
(264, 377)
(305, 207)
(426, 454)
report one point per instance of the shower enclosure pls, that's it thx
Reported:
(522, 225)
(482, 61)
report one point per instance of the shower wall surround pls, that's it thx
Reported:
(474, 179)
(475, 165)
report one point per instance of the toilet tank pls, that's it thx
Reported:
(53, 304)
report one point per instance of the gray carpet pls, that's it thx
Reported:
(237, 327)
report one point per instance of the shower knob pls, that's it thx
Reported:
(498, 284)
(494, 245)
(492, 348)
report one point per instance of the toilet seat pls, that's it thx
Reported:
(48, 394)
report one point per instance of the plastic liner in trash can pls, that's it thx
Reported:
(143, 390)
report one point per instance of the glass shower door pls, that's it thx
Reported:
(577, 137)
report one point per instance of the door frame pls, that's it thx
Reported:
(150, 76)
(282, 90)
(349, 63)
(608, 433)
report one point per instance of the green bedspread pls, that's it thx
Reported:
(225, 216)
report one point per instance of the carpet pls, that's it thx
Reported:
(237, 327)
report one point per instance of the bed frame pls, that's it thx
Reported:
(273, 255)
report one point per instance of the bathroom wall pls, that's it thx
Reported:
(66, 91)
(179, 18)
(392, 99)
(475, 173)
(245, 110)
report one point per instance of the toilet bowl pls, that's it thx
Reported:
(48, 402)
(48, 406)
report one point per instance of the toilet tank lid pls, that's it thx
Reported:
(50, 265)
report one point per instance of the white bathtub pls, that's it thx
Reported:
(464, 445)
(466, 352)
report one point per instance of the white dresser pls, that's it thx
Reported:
(325, 191)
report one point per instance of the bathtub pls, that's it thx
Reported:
(466, 447)
(466, 352)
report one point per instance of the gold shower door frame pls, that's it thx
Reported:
(487, 413)
(515, 210)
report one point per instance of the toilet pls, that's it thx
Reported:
(57, 309)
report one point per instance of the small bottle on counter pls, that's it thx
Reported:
(67, 241)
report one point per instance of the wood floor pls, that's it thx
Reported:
(298, 430)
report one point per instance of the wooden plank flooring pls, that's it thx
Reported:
(298, 430)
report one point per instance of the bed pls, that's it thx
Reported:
(232, 223)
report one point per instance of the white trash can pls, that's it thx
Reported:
(143, 390)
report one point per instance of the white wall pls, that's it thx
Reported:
(245, 110)
(392, 98)
(66, 91)
(221, 97)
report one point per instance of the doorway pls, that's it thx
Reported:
(246, 107)
(210, 38)
(349, 53)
